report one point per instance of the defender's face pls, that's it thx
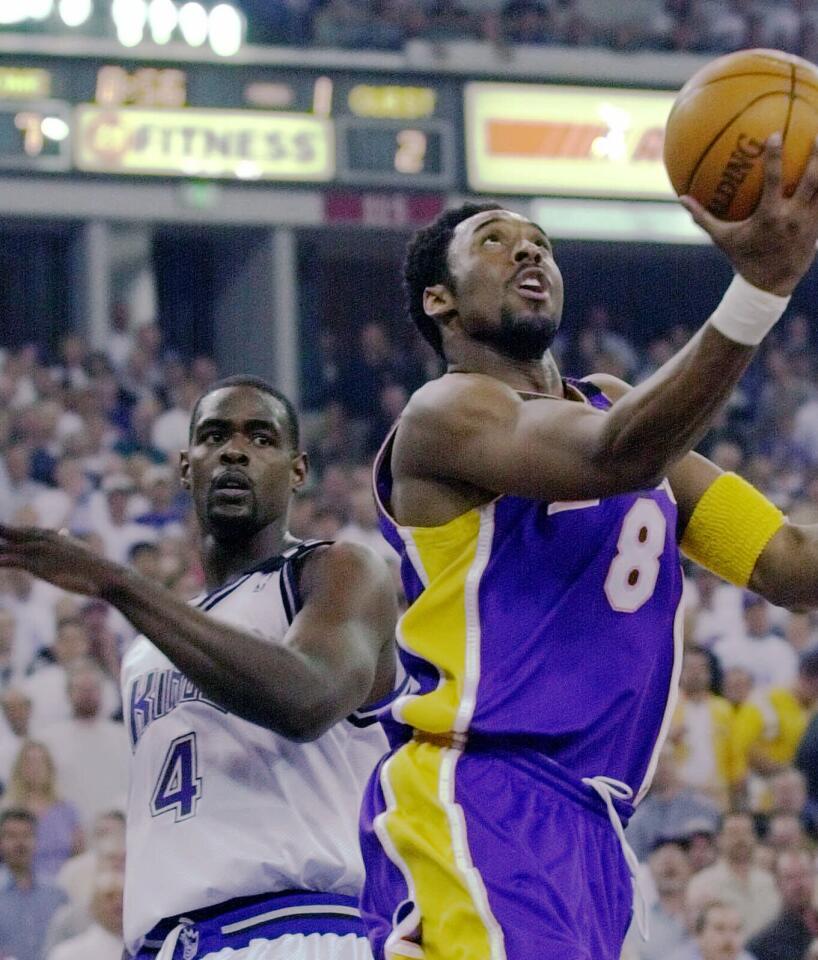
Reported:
(507, 286)
(241, 467)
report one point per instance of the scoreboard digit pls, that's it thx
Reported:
(35, 136)
(396, 153)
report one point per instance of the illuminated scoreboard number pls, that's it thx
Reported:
(403, 153)
(35, 136)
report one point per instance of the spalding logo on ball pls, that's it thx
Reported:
(716, 131)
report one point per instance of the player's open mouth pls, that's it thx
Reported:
(531, 284)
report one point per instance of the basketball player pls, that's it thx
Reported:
(538, 534)
(250, 752)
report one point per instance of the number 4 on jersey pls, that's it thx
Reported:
(178, 787)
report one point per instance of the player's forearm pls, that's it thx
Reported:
(271, 685)
(663, 418)
(786, 573)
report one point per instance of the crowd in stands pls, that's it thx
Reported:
(89, 442)
(695, 26)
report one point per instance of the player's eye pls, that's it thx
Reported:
(492, 238)
(262, 439)
(213, 436)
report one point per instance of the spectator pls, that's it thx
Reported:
(768, 657)
(791, 932)
(19, 490)
(71, 372)
(10, 665)
(137, 439)
(785, 832)
(368, 370)
(32, 786)
(48, 684)
(362, 526)
(164, 515)
(170, 430)
(670, 872)
(59, 506)
(737, 685)
(34, 610)
(667, 808)
(16, 707)
(118, 532)
(768, 727)
(147, 560)
(26, 903)
(719, 935)
(735, 877)
(108, 634)
(699, 836)
(702, 730)
(391, 401)
(806, 760)
(119, 341)
(103, 938)
(106, 852)
(717, 608)
(91, 753)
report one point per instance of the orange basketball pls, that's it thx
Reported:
(715, 134)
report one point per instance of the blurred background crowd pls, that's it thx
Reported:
(700, 26)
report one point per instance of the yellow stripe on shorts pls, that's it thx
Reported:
(427, 832)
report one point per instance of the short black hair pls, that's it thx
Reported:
(247, 380)
(143, 546)
(17, 813)
(427, 264)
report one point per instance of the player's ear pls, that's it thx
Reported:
(184, 470)
(438, 302)
(299, 468)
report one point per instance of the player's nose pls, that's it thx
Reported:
(232, 453)
(527, 250)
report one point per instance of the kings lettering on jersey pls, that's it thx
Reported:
(155, 694)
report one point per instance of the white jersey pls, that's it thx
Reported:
(221, 808)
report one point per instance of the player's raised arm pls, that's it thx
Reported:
(475, 429)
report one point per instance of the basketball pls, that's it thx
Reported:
(715, 134)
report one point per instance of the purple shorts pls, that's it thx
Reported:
(489, 855)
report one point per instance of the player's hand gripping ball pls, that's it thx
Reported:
(723, 115)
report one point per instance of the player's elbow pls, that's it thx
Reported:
(327, 706)
(302, 729)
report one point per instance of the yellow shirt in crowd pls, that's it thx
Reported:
(768, 726)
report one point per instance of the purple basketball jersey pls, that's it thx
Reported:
(553, 625)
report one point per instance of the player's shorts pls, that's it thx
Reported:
(294, 925)
(483, 854)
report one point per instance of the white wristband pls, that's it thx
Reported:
(747, 314)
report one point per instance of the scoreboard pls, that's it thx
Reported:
(125, 118)
(225, 121)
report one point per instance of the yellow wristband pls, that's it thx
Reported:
(731, 525)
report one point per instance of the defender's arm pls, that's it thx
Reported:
(338, 649)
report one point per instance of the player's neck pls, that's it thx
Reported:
(526, 376)
(223, 559)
